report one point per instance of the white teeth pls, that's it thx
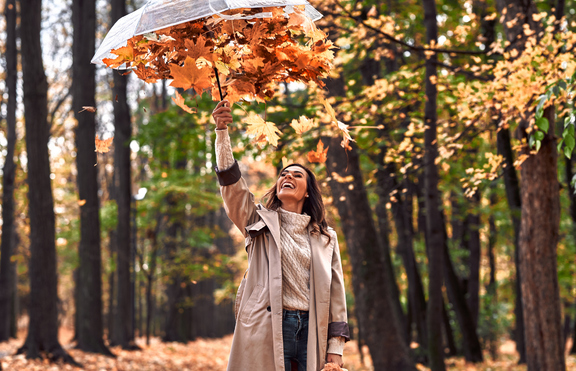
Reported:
(287, 185)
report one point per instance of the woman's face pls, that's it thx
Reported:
(291, 186)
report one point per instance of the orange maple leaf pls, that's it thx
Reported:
(319, 155)
(262, 129)
(190, 76)
(199, 49)
(302, 125)
(103, 145)
(179, 100)
(125, 54)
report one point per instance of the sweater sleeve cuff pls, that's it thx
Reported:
(224, 154)
(336, 345)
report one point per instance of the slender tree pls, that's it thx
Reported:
(434, 222)
(7, 268)
(43, 305)
(89, 331)
(124, 330)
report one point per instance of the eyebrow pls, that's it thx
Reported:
(294, 171)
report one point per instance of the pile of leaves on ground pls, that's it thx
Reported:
(212, 355)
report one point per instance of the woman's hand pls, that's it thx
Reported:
(335, 358)
(222, 115)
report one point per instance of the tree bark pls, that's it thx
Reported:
(402, 214)
(384, 185)
(473, 244)
(512, 186)
(124, 329)
(89, 301)
(43, 308)
(377, 319)
(538, 241)
(434, 224)
(470, 343)
(7, 267)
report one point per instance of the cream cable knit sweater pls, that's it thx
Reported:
(295, 245)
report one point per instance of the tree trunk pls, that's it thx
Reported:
(448, 332)
(512, 186)
(402, 213)
(491, 287)
(9, 174)
(377, 318)
(470, 343)
(89, 301)
(434, 224)
(473, 244)
(383, 189)
(572, 195)
(43, 308)
(124, 329)
(111, 288)
(538, 241)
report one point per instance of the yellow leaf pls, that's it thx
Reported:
(264, 130)
(302, 125)
(81, 202)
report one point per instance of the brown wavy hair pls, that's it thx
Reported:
(313, 204)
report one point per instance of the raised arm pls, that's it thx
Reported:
(238, 200)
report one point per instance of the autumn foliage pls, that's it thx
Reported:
(250, 56)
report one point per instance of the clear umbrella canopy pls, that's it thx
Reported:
(159, 14)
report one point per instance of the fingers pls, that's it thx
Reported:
(222, 114)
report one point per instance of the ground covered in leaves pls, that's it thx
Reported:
(212, 355)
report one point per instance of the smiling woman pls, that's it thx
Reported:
(291, 307)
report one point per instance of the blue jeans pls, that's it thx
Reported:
(295, 335)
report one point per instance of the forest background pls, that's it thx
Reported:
(454, 203)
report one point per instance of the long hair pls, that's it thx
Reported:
(313, 204)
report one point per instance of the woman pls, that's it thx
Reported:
(291, 305)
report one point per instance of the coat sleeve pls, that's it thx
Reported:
(238, 200)
(338, 321)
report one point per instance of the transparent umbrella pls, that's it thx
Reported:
(159, 14)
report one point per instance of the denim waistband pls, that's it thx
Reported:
(294, 313)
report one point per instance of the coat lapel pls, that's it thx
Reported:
(272, 220)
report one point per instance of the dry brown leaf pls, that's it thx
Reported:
(103, 145)
(88, 108)
(319, 155)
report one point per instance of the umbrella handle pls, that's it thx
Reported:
(218, 81)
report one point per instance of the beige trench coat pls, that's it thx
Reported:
(257, 343)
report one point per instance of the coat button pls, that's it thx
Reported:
(269, 309)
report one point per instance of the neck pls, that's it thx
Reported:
(293, 206)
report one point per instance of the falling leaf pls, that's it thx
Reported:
(81, 202)
(372, 12)
(302, 125)
(346, 138)
(88, 108)
(319, 155)
(190, 76)
(179, 100)
(116, 99)
(262, 129)
(103, 145)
